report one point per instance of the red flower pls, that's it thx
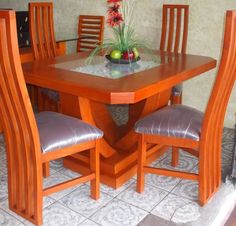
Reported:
(113, 1)
(115, 19)
(114, 9)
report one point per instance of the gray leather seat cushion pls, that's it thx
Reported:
(177, 90)
(172, 121)
(58, 131)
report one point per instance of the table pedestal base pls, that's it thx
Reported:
(118, 151)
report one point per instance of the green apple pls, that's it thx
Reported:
(116, 54)
(136, 53)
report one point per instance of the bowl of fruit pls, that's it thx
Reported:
(127, 57)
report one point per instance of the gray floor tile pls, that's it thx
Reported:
(81, 202)
(185, 163)
(55, 179)
(146, 200)
(88, 223)
(187, 189)
(7, 219)
(163, 182)
(59, 215)
(114, 192)
(118, 213)
(177, 209)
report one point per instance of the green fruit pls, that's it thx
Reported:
(116, 54)
(136, 53)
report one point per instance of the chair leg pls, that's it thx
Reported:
(33, 93)
(175, 156)
(174, 99)
(141, 163)
(95, 167)
(40, 100)
(46, 169)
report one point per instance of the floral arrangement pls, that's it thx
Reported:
(124, 44)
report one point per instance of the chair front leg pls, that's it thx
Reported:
(175, 156)
(142, 146)
(95, 167)
(46, 169)
(176, 99)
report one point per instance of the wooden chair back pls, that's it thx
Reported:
(214, 117)
(174, 28)
(42, 30)
(20, 129)
(92, 29)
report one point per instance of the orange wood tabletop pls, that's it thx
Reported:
(126, 90)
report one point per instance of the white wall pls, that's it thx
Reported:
(205, 34)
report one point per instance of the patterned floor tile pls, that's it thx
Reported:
(55, 179)
(119, 113)
(187, 189)
(147, 200)
(58, 215)
(56, 165)
(166, 154)
(114, 192)
(81, 202)
(3, 167)
(3, 155)
(163, 182)
(69, 173)
(88, 223)
(7, 220)
(229, 134)
(177, 209)
(3, 188)
(118, 213)
(186, 154)
(185, 163)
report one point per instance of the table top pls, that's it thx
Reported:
(62, 74)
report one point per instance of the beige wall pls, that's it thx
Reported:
(205, 34)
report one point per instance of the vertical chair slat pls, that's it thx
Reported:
(40, 33)
(185, 29)
(46, 32)
(171, 30)
(164, 29)
(178, 30)
(51, 26)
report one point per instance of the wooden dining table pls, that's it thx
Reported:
(86, 91)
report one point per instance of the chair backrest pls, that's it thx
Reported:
(174, 28)
(91, 27)
(17, 117)
(42, 29)
(211, 134)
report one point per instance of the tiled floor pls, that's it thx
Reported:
(165, 197)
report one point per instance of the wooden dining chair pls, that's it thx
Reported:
(30, 140)
(174, 36)
(184, 127)
(90, 32)
(44, 46)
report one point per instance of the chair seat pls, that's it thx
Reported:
(177, 90)
(172, 121)
(54, 95)
(58, 131)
